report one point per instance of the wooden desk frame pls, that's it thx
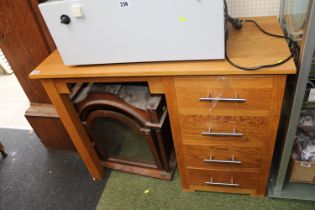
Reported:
(161, 76)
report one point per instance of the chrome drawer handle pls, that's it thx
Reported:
(236, 99)
(233, 161)
(210, 133)
(231, 184)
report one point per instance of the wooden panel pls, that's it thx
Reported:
(250, 157)
(139, 170)
(43, 116)
(265, 128)
(23, 44)
(242, 50)
(42, 110)
(246, 180)
(256, 90)
(274, 116)
(171, 104)
(55, 137)
(253, 129)
(50, 42)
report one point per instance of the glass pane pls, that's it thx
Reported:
(295, 16)
(121, 141)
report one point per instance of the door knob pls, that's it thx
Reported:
(65, 19)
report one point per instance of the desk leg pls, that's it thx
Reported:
(75, 129)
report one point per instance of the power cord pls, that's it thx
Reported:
(238, 24)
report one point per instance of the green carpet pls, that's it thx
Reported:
(128, 191)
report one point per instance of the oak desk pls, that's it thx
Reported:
(222, 146)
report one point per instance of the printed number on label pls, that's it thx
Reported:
(124, 4)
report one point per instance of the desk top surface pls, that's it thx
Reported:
(248, 47)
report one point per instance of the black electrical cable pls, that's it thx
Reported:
(238, 24)
(266, 65)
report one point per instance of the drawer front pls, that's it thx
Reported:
(224, 179)
(224, 130)
(222, 157)
(229, 93)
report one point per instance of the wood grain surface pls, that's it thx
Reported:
(252, 128)
(43, 116)
(246, 180)
(76, 131)
(247, 47)
(23, 44)
(257, 119)
(256, 90)
(250, 157)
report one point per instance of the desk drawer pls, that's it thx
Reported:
(214, 94)
(223, 157)
(228, 130)
(224, 179)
